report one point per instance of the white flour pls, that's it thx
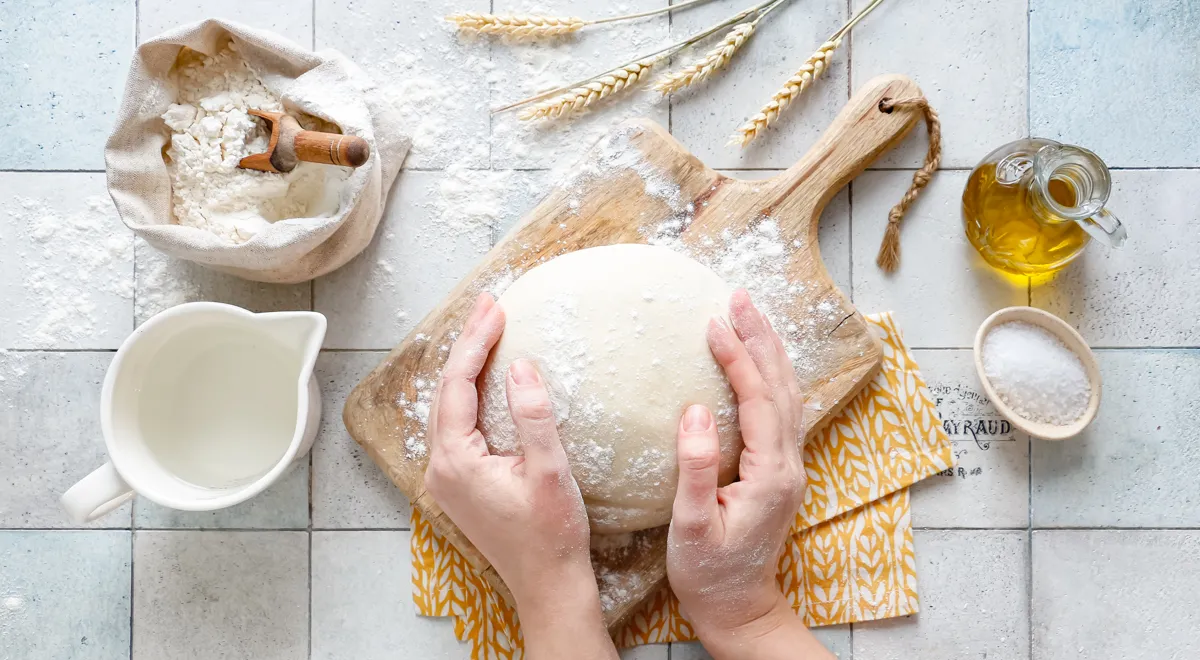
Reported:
(212, 131)
(77, 263)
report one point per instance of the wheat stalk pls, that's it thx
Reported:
(581, 97)
(520, 27)
(804, 77)
(713, 61)
(812, 69)
(534, 27)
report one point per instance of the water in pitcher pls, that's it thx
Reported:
(219, 409)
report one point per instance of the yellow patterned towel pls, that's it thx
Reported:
(851, 554)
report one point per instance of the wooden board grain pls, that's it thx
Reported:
(614, 198)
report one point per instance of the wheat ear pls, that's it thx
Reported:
(520, 27)
(581, 97)
(800, 81)
(713, 61)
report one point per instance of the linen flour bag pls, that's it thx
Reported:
(183, 121)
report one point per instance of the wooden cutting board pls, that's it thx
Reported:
(632, 181)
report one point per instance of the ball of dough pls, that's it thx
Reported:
(619, 336)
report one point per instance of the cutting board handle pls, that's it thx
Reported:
(859, 134)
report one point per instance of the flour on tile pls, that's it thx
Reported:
(68, 266)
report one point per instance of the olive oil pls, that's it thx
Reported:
(1031, 206)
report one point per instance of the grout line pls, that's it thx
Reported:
(312, 475)
(314, 24)
(1053, 528)
(132, 579)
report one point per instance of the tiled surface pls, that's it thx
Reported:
(291, 19)
(1117, 78)
(970, 61)
(64, 595)
(1136, 465)
(66, 276)
(1106, 295)
(989, 486)
(1102, 594)
(50, 416)
(835, 638)
(220, 595)
(64, 69)
(942, 290)
(415, 260)
(362, 601)
(974, 602)
(349, 490)
(1130, 62)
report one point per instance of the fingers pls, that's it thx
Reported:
(699, 453)
(766, 349)
(457, 401)
(758, 418)
(533, 415)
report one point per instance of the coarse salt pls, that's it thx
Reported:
(1035, 373)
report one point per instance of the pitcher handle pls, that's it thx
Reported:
(96, 494)
(1105, 227)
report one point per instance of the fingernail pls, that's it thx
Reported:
(697, 418)
(523, 372)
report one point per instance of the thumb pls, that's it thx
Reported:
(699, 452)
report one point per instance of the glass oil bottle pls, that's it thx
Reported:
(1031, 206)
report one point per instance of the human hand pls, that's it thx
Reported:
(724, 543)
(524, 513)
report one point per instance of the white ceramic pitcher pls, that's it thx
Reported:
(204, 406)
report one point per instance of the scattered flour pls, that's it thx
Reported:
(77, 265)
(212, 131)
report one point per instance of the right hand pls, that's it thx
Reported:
(724, 543)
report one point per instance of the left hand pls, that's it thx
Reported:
(524, 513)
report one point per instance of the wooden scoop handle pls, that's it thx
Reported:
(290, 144)
(331, 148)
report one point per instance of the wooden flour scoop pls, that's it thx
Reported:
(291, 144)
(840, 356)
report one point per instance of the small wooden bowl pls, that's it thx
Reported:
(1061, 329)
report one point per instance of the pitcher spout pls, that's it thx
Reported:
(301, 332)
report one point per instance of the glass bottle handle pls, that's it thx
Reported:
(1104, 226)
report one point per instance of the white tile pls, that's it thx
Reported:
(163, 282)
(989, 487)
(362, 604)
(520, 70)
(64, 595)
(290, 19)
(833, 230)
(969, 58)
(974, 601)
(943, 289)
(50, 430)
(1117, 78)
(66, 278)
(1136, 465)
(647, 652)
(216, 594)
(703, 118)
(834, 638)
(64, 71)
(1148, 292)
(282, 506)
(421, 250)
(435, 80)
(509, 196)
(1104, 594)
(349, 489)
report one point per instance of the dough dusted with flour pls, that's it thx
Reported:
(619, 336)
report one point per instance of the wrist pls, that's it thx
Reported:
(567, 592)
(733, 639)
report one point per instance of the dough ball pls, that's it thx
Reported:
(619, 336)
